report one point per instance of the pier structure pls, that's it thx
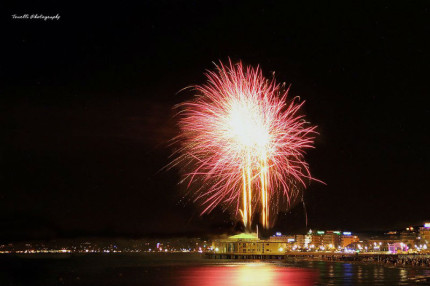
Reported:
(247, 246)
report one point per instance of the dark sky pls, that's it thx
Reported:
(86, 105)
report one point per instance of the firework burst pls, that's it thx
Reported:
(242, 143)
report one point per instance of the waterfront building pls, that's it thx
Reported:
(397, 247)
(347, 238)
(332, 239)
(325, 239)
(316, 238)
(283, 238)
(382, 243)
(303, 240)
(248, 243)
(424, 234)
(288, 240)
(408, 237)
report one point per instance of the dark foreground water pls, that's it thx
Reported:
(191, 270)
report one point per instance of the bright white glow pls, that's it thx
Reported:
(247, 125)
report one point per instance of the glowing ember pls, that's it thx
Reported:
(243, 143)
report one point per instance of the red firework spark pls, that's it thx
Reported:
(240, 132)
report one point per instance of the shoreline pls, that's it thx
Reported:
(395, 263)
(392, 261)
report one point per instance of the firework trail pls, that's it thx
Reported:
(242, 143)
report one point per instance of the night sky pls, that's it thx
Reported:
(86, 111)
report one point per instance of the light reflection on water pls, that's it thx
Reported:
(296, 273)
(337, 273)
(248, 274)
(193, 270)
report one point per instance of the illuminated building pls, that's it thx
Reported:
(317, 238)
(283, 238)
(424, 233)
(288, 240)
(408, 237)
(303, 240)
(347, 238)
(248, 243)
(397, 247)
(331, 239)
